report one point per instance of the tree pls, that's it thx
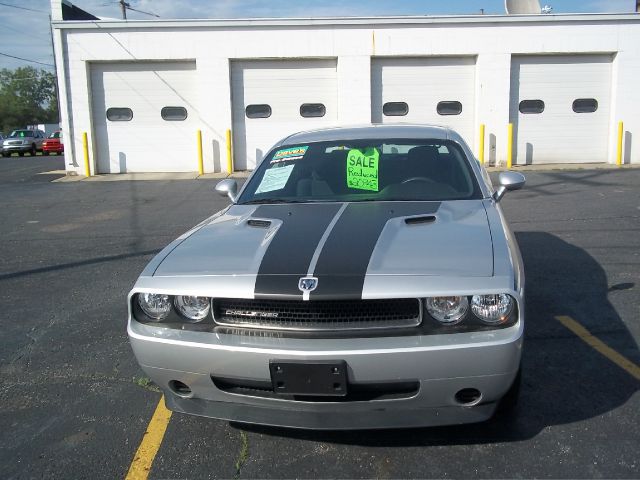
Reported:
(27, 97)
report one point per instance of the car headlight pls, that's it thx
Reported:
(492, 309)
(156, 306)
(192, 308)
(447, 310)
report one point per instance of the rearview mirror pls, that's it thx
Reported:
(508, 181)
(228, 188)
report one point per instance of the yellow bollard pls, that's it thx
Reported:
(229, 156)
(481, 148)
(510, 146)
(200, 161)
(620, 135)
(85, 148)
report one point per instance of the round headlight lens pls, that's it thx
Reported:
(447, 310)
(492, 309)
(193, 308)
(155, 305)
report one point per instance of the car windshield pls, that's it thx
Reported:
(55, 135)
(21, 133)
(363, 170)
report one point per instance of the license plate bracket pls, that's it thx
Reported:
(309, 377)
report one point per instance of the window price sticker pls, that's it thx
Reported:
(362, 168)
(275, 178)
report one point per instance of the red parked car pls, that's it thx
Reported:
(53, 144)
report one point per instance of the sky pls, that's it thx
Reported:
(26, 33)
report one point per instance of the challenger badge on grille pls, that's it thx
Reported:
(251, 313)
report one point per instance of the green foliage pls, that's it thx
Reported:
(27, 97)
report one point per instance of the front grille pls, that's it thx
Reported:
(356, 392)
(317, 315)
(15, 142)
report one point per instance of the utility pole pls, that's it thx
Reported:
(123, 7)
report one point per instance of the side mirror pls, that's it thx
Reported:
(508, 181)
(228, 188)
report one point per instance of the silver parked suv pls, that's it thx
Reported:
(22, 141)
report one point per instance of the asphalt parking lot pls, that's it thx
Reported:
(74, 404)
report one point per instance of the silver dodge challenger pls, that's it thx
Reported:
(361, 278)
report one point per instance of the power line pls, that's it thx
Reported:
(146, 13)
(26, 59)
(23, 8)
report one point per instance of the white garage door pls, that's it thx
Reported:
(144, 117)
(275, 98)
(435, 90)
(560, 108)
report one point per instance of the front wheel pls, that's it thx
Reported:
(6, 154)
(21, 154)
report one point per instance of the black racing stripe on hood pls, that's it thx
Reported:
(289, 254)
(342, 264)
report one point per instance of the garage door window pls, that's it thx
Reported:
(173, 114)
(119, 114)
(531, 106)
(258, 111)
(449, 108)
(585, 105)
(395, 109)
(312, 110)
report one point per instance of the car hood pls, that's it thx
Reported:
(339, 244)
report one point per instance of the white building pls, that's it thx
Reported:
(142, 89)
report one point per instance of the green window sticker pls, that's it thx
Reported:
(292, 153)
(362, 168)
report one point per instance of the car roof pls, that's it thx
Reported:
(369, 131)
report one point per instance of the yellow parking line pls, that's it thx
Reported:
(143, 459)
(596, 344)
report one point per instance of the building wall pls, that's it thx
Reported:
(354, 42)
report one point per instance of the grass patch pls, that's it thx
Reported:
(243, 455)
(146, 383)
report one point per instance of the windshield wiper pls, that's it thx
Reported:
(269, 200)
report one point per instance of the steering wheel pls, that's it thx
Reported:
(418, 179)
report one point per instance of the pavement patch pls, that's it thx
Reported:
(600, 346)
(151, 441)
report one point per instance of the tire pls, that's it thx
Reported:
(33, 150)
(45, 153)
(6, 154)
(21, 154)
(509, 402)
